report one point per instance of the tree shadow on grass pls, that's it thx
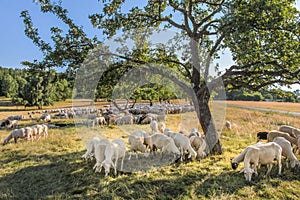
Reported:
(230, 182)
(60, 178)
(69, 177)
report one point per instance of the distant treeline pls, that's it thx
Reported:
(37, 86)
(268, 95)
(32, 87)
(42, 87)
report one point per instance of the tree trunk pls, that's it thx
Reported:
(207, 123)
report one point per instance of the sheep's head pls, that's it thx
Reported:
(234, 165)
(248, 174)
(5, 142)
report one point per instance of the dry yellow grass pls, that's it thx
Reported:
(284, 106)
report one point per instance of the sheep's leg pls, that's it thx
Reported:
(279, 165)
(122, 162)
(130, 154)
(269, 166)
(16, 139)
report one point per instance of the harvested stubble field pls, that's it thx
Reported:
(52, 168)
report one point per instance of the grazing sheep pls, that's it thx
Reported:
(164, 143)
(16, 134)
(194, 132)
(228, 125)
(240, 158)
(113, 151)
(9, 123)
(183, 143)
(99, 152)
(18, 117)
(90, 148)
(294, 132)
(38, 130)
(45, 130)
(136, 144)
(161, 127)
(287, 151)
(127, 119)
(199, 145)
(274, 133)
(263, 135)
(154, 126)
(265, 155)
(46, 117)
(29, 133)
(100, 121)
(142, 135)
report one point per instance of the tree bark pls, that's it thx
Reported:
(207, 122)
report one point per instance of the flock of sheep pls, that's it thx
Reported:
(107, 153)
(279, 143)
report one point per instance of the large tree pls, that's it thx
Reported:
(263, 36)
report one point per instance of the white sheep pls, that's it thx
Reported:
(161, 127)
(90, 148)
(99, 153)
(113, 151)
(294, 132)
(274, 133)
(142, 135)
(265, 155)
(199, 145)
(194, 132)
(38, 130)
(154, 126)
(136, 144)
(240, 158)
(29, 133)
(183, 143)
(100, 121)
(46, 117)
(16, 134)
(164, 143)
(287, 151)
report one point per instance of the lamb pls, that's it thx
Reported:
(287, 151)
(113, 151)
(161, 127)
(199, 145)
(99, 152)
(164, 143)
(264, 154)
(240, 158)
(136, 144)
(183, 143)
(16, 134)
(294, 132)
(90, 148)
(154, 126)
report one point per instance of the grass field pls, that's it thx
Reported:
(52, 168)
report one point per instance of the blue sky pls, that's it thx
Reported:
(16, 47)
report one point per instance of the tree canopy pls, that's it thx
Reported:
(263, 36)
